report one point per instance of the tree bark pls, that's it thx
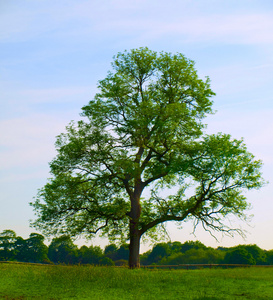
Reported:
(135, 233)
(134, 245)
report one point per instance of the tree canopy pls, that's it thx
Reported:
(140, 157)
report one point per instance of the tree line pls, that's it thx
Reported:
(62, 250)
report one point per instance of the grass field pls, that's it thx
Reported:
(22, 281)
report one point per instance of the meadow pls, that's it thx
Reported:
(26, 281)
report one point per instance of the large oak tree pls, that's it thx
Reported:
(140, 158)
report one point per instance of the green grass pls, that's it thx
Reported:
(22, 281)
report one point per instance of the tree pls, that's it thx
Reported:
(7, 244)
(110, 251)
(246, 254)
(258, 254)
(90, 255)
(21, 249)
(62, 250)
(269, 257)
(195, 256)
(140, 157)
(15, 247)
(36, 249)
(113, 252)
(158, 252)
(122, 252)
(239, 256)
(192, 245)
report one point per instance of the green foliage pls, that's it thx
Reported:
(14, 247)
(106, 261)
(195, 256)
(7, 242)
(62, 250)
(111, 251)
(246, 254)
(258, 254)
(192, 245)
(191, 252)
(121, 263)
(158, 252)
(269, 257)
(175, 246)
(90, 255)
(143, 131)
(115, 253)
(122, 252)
(36, 249)
(239, 256)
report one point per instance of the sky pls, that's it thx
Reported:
(52, 54)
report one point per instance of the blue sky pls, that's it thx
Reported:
(52, 54)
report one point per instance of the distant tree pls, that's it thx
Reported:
(83, 255)
(195, 256)
(7, 243)
(220, 248)
(144, 258)
(158, 252)
(192, 245)
(21, 250)
(115, 253)
(62, 250)
(90, 255)
(110, 251)
(123, 252)
(175, 247)
(32, 249)
(121, 262)
(144, 131)
(214, 256)
(251, 254)
(239, 255)
(37, 250)
(258, 254)
(106, 261)
(269, 257)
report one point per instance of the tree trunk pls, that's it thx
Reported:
(134, 227)
(134, 245)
